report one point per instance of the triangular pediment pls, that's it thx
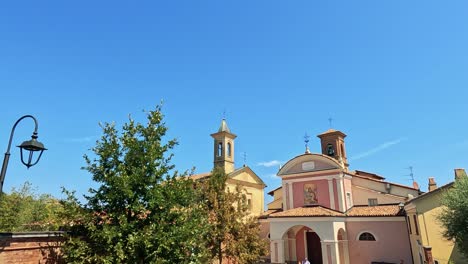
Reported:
(245, 174)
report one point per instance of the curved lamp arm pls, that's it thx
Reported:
(7, 153)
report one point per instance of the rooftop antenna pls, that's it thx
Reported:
(306, 140)
(245, 158)
(410, 168)
(330, 122)
(411, 175)
(224, 113)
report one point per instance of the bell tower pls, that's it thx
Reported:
(333, 145)
(224, 148)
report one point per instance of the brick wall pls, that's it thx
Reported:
(30, 248)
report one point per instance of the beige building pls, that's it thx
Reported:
(223, 157)
(425, 232)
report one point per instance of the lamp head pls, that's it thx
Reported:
(32, 146)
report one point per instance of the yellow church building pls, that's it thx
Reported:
(251, 184)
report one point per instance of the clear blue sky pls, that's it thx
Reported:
(392, 75)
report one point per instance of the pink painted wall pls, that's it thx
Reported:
(392, 243)
(300, 246)
(323, 195)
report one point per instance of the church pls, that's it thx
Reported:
(223, 157)
(323, 211)
(329, 214)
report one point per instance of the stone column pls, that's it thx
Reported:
(324, 253)
(345, 251)
(277, 251)
(334, 252)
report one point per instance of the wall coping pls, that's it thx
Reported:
(32, 234)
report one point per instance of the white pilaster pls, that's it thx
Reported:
(332, 194)
(291, 196)
(285, 194)
(324, 253)
(340, 188)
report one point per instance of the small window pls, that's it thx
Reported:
(220, 149)
(436, 262)
(416, 230)
(409, 224)
(229, 149)
(373, 201)
(366, 236)
(249, 203)
(349, 200)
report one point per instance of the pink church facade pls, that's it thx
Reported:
(330, 215)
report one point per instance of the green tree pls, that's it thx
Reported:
(233, 234)
(454, 216)
(143, 211)
(24, 210)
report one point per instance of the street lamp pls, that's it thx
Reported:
(30, 145)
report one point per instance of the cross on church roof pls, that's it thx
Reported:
(306, 140)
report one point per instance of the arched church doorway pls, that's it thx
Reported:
(314, 248)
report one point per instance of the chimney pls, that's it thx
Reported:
(432, 184)
(415, 185)
(459, 173)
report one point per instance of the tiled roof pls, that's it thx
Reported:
(200, 176)
(368, 174)
(377, 210)
(375, 180)
(331, 131)
(359, 210)
(441, 188)
(224, 127)
(307, 211)
(268, 212)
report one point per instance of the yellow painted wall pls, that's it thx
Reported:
(251, 189)
(277, 202)
(361, 196)
(430, 232)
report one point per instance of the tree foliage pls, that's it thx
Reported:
(143, 211)
(24, 210)
(232, 233)
(455, 214)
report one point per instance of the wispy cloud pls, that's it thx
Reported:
(273, 176)
(271, 163)
(80, 139)
(379, 148)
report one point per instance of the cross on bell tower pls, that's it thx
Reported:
(224, 148)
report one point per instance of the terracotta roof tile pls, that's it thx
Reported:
(377, 210)
(314, 211)
(200, 176)
(268, 212)
(307, 211)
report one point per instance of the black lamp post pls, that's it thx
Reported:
(30, 145)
